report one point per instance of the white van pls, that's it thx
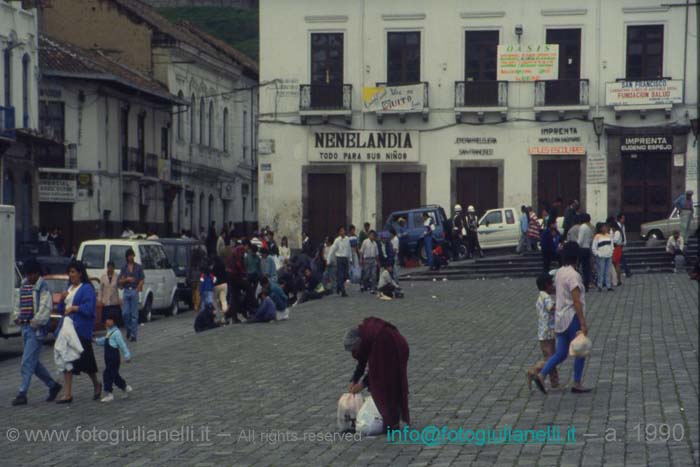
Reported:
(160, 284)
(9, 289)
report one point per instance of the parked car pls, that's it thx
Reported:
(500, 228)
(45, 254)
(57, 284)
(160, 285)
(414, 226)
(180, 253)
(664, 228)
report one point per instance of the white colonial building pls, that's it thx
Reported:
(202, 141)
(19, 113)
(368, 107)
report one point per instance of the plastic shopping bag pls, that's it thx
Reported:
(348, 407)
(580, 346)
(355, 274)
(369, 421)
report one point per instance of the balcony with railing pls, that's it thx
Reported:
(325, 100)
(481, 97)
(417, 106)
(150, 169)
(132, 162)
(7, 122)
(561, 95)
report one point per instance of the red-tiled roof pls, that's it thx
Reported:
(61, 59)
(185, 32)
(248, 63)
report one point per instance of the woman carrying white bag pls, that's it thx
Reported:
(569, 320)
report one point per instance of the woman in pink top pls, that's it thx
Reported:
(569, 317)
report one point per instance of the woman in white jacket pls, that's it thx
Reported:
(602, 249)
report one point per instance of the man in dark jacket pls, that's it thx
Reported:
(570, 216)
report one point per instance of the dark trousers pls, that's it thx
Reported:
(456, 242)
(341, 273)
(473, 241)
(547, 258)
(388, 290)
(623, 263)
(111, 374)
(585, 265)
(251, 302)
(237, 287)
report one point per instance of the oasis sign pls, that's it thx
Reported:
(363, 146)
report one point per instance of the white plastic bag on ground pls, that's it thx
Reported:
(348, 407)
(369, 421)
(580, 346)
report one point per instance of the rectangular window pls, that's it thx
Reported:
(141, 135)
(164, 141)
(645, 45)
(481, 50)
(327, 70)
(52, 119)
(245, 135)
(569, 41)
(7, 76)
(124, 136)
(403, 57)
(93, 256)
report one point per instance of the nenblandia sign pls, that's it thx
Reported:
(647, 144)
(408, 98)
(363, 146)
(660, 91)
(528, 62)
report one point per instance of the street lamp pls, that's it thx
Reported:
(694, 129)
(598, 126)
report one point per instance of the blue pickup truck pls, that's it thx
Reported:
(414, 226)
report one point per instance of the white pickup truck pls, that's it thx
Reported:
(9, 289)
(500, 228)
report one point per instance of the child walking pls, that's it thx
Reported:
(545, 329)
(113, 343)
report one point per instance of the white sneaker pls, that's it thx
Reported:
(128, 389)
(109, 397)
(384, 297)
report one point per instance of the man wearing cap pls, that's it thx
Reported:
(32, 312)
(131, 280)
(684, 204)
(457, 231)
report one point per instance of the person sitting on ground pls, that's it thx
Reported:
(278, 296)
(546, 336)
(206, 318)
(387, 286)
(378, 344)
(266, 309)
(675, 245)
(313, 288)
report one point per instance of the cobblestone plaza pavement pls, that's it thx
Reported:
(263, 394)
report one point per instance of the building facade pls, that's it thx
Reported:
(115, 125)
(369, 107)
(212, 131)
(19, 114)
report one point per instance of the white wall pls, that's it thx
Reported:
(19, 27)
(285, 56)
(215, 83)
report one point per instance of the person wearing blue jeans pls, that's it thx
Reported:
(32, 313)
(131, 280)
(569, 317)
(602, 249)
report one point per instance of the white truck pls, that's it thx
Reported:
(10, 279)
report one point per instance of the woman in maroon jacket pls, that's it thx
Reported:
(379, 344)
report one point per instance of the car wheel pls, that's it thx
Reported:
(421, 253)
(462, 251)
(656, 235)
(147, 312)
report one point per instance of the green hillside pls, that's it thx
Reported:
(239, 28)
